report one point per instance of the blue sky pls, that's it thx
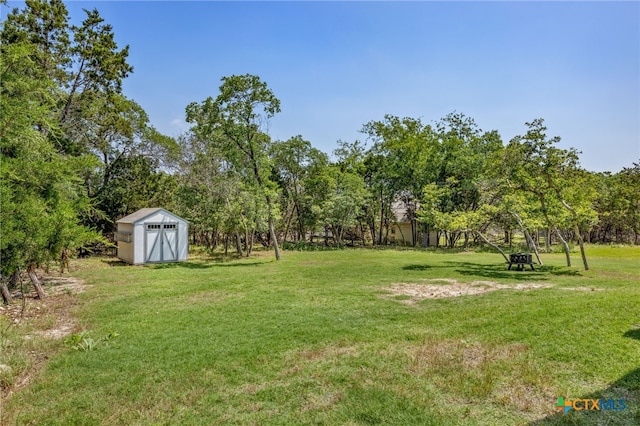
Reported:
(338, 65)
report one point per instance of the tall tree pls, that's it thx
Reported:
(41, 198)
(533, 163)
(45, 25)
(294, 162)
(97, 67)
(240, 114)
(399, 164)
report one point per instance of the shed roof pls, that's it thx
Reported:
(143, 213)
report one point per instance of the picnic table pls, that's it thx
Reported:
(520, 259)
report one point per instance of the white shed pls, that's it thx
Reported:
(151, 236)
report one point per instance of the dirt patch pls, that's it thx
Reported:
(55, 285)
(33, 326)
(430, 289)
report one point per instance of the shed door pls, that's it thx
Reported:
(161, 242)
(169, 241)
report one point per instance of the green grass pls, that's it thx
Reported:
(318, 339)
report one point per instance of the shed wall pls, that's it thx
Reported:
(125, 249)
(183, 240)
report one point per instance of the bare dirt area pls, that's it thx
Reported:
(440, 288)
(61, 292)
(59, 284)
(34, 328)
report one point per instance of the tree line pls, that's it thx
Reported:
(77, 154)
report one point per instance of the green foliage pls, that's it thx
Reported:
(307, 246)
(74, 149)
(85, 343)
(299, 170)
(618, 205)
(232, 125)
(42, 201)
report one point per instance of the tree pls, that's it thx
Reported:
(295, 163)
(618, 205)
(41, 197)
(45, 26)
(97, 66)
(86, 111)
(399, 164)
(235, 122)
(532, 163)
(343, 191)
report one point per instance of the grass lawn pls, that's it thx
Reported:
(320, 338)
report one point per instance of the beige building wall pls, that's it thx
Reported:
(125, 249)
(400, 234)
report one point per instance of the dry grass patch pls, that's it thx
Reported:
(499, 374)
(410, 293)
(587, 289)
(31, 330)
(56, 285)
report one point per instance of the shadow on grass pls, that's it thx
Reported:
(624, 390)
(634, 333)
(417, 267)
(498, 271)
(115, 262)
(206, 264)
(210, 261)
(560, 270)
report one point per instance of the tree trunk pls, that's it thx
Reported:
(362, 233)
(534, 247)
(286, 228)
(483, 238)
(13, 279)
(337, 235)
(272, 232)
(250, 237)
(565, 245)
(6, 296)
(36, 282)
(238, 243)
(64, 261)
(414, 240)
(581, 243)
(372, 228)
(386, 232)
(246, 242)
(425, 236)
(577, 231)
(547, 241)
(530, 241)
(381, 218)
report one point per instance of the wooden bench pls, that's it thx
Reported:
(520, 259)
